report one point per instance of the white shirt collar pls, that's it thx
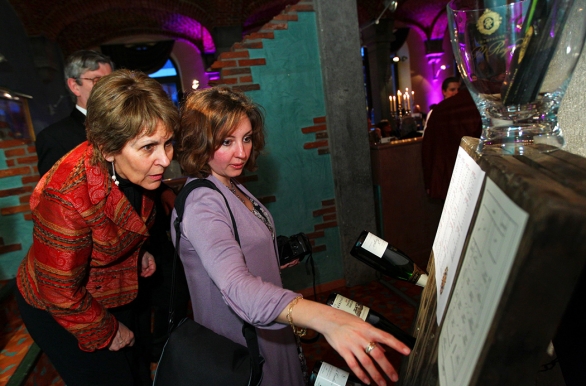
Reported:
(84, 111)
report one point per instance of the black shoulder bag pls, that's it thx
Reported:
(195, 355)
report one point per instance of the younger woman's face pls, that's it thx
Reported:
(143, 159)
(231, 157)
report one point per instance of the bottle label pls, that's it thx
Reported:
(374, 245)
(331, 376)
(350, 306)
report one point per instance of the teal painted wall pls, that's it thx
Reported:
(14, 229)
(292, 96)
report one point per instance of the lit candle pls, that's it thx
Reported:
(399, 99)
(408, 105)
(391, 102)
(413, 97)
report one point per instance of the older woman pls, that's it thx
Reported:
(221, 134)
(92, 214)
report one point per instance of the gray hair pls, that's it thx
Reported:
(85, 60)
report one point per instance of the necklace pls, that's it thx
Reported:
(233, 190)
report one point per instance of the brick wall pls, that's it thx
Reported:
(18, 178)
(236, 71)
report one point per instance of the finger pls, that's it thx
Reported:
(367, 362)
(356, 368)
(378, 355)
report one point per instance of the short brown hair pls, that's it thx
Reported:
(122, 106)
(208, 116)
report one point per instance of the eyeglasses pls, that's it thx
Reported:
(93, 80)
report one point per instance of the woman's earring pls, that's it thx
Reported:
(114, 175)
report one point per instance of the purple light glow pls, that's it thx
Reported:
(192, 29)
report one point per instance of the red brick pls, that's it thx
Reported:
(14, 152)
(235, 71)
(330, 217)
(313, 129)
(315, 145)
(28, 216)
(31, 179)
(252, 45)
(15, 171)
(330, 224)
(246, 79)
(247, 87)
(10, 163)
(318, 248)
(229, 80)
(234, 55)
(15, 191)
(273, 26)
(224, 63)
(286, 17)
(12, 143)
(15, 209)
(319, 120)
(260, 35)
(252, 62)
(26, 198)
(31, 149)
(10, 248)
(322, 211)
(302, 8)
(323, 151)
(329, 202)
(27, 160)
(315, 235)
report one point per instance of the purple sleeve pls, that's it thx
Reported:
(257, 299)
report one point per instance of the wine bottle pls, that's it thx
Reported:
(388, 260)
(324, 374)
(370, 316)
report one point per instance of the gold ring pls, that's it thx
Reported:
(370, 347)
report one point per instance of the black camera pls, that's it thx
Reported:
(294, 247)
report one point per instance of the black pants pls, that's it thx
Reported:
(77, 367)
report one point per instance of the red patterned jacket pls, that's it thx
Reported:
(86, 243)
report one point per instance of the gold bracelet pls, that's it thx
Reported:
(297, 331)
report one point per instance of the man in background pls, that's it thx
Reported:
(82, 70)
(450, 87)
(452, 119)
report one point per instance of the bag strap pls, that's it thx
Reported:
(248, 330)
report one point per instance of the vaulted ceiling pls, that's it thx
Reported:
(78, 24)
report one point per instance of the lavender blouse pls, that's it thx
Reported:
(229, 283)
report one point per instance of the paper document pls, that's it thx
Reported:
(463, 192)
(490, 254)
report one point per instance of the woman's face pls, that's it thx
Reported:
(229, 160)
(143, 159)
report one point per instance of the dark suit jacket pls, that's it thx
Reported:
(451, 119)
(58, 139)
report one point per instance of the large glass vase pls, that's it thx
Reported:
(517, 59)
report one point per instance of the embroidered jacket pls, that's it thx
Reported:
(84, 257)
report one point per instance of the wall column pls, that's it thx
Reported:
(339, 44)
(378, 38)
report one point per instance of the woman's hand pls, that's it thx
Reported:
(349, 336)
(147, 265)
(124, 337)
